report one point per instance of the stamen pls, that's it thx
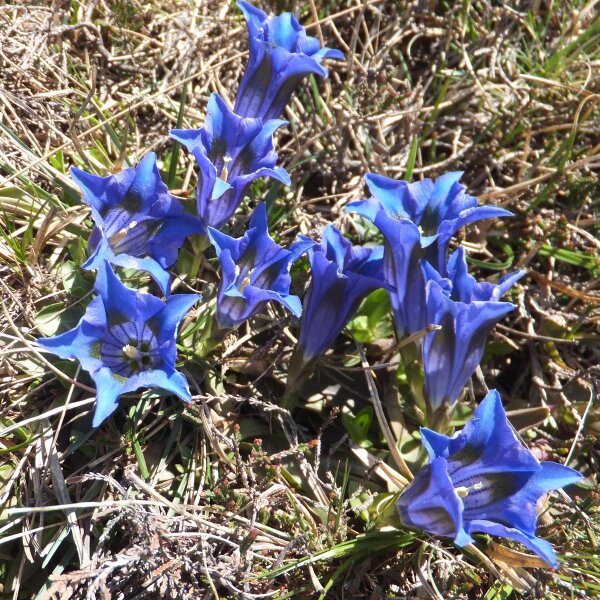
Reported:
(131, 352)
(225, 169)
(117, 237)
(246, 281)
(463, 492)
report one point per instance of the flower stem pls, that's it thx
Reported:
(199, 244)
(212, 337)
(298, 372)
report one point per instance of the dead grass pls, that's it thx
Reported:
(171, 503)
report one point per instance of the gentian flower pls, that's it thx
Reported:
(139, 225)
(254, 270)
(467, 312)
(125, 340)
(482, 480)
(231, 151)
(402, 258)
(439, 209)
(281, 55)
(341, 277)
(417, 221)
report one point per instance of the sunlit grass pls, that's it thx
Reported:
(229, 493)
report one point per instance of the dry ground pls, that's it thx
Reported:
(231, 497)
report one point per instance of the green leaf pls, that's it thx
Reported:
(373, 320)
(73, 281)
(358, 425)
(573, 258)
(54, 318)
(499, 591)
(495, 266)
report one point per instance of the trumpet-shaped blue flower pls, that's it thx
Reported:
(417, 221)
(482, 480)
(467, 312)
(281, 55)
(254, 270)
(126, 341)
(231, 152)
(341, 276)
(402, 258)
(139, 225)
(439, 209)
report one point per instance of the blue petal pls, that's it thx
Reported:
(466, 289)
(402, 269)
(241, 182)
(553, 476)
(253, 15)
(281, 54)
(102, 192)
(441, 190)
(109, 388)
(229, 133)
(222, 241)
(256, 298)
(393, 196)
(365, 208)
(431, 503)
(147, 184)
(286, 31)
(102, 253)
(259, 219)
(541, 547)
(259, 152)
(220, 188)
(231, 311)
(78, 343)
(189, 138)
(330, 302)
(164, 246)
(121, 300)
(430, 274)
(491, 440)
(335, 246)
(148, 265)
(506, 283)
(519, 508)
(462, 282)
(449, 227)
(435, 443)
(331, 53)
(472, 327)
(173, 382)
(300, 246)
(450, 356)
(176, 307)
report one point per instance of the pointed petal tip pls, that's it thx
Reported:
(334, 54)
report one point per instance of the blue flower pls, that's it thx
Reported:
(417, 221)
(439, 209)
(482, 480)
(341, 276)
(126, 341)
(231, 151)
(139, 225)
(402, 259)
(281, 55)
(254, 270)
(467, 312)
